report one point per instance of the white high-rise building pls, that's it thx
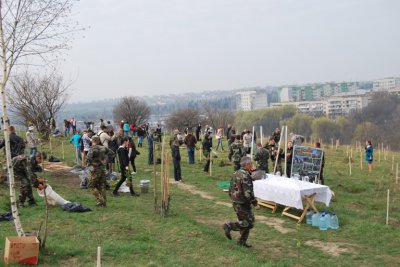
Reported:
(251, 100)
(386, 84)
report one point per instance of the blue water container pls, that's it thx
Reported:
(323, 222)
(314, 219)
(334, 222)
(309, 216)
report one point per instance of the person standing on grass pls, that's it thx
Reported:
(31, 140)
(76, 139)
(207, 145)
(247, 138)
(289, 158)
(190, 142)
(150, 144)
(86, 145)
(218, 136)
(198, 131)
(242, 196)
(176, 157)
(261, 157)
(123, 158)
(132, 153)
(369, 155)
(97, 159)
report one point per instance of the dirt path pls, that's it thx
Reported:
(276, 223)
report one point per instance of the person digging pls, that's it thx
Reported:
(123, 158)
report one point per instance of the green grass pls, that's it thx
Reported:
(131, 233)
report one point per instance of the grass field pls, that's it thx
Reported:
(131, 233)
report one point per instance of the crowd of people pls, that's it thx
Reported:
(100, 152)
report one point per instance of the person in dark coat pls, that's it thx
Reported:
(207, 145)
(289, 158)
(123, 159)
(176, 157)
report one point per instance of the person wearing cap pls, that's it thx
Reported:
(31, 140)
(97, 160)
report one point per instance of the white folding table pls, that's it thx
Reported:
(290, 192)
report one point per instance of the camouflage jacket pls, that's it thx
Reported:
(241, 188)
(20, 166)
(261, 157)
(238, 151)
(98, 156)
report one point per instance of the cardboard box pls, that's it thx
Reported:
(24, 249)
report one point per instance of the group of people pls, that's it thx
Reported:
(99, 151)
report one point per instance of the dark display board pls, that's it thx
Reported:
(307, 162)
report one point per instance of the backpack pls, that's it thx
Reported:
(99, 134)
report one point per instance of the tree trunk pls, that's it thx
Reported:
(14, 208)
(11, 181)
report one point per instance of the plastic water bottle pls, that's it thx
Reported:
(334, 221)
(323, 222)
(314, 219)
(328, 220)
(309, 216)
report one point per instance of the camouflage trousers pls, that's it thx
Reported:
(25, 189)
(97, 184)
(245, 221)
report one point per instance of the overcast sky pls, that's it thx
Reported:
(154, 47)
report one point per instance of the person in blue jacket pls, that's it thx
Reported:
(76, 139)
(369, 155)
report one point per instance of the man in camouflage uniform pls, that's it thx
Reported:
(276, 135)
(273, 152)
(97, 159)
(20, 166)
(242, 196)
(238, 152)
(261, 157)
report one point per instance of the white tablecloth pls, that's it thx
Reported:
(289, 192)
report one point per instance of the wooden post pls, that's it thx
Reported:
(51, 146)
(350, 165)
(279, 148)
(155, 178)
(252, 144)
(397, 173)
(200, 152)
(392, 163)
(98, 257)
(347, 150)
(284, 171)
(261, 136)
(331, 143)
(62, 150)
(379, 156)
(361, 160)
(351, 152)
(210, 163)
(337, 144)
(387, 207)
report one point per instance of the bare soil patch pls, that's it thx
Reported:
(192, 189)
(275, 223)
(331, 248)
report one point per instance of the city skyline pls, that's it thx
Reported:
(155, 47)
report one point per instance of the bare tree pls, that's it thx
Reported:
(132, 110)
(37, 100)
(184, 118)
(218, 117)
(29, 28)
